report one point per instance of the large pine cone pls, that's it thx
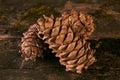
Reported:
(67, 37)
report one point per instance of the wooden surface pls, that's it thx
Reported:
(107, 66)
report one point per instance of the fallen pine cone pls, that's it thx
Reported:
(67, 37)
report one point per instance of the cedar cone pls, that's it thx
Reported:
(67, 37)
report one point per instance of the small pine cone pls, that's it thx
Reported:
(67, 37)
(31, 45)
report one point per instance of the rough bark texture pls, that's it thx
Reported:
(67, 37)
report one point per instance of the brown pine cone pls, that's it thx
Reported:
(31, 45)
(67, 37)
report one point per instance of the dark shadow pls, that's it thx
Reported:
(107, 45)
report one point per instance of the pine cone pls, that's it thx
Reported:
(67, 37)
(31, 45)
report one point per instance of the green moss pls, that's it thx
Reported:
(36, 12)
(30, 16)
